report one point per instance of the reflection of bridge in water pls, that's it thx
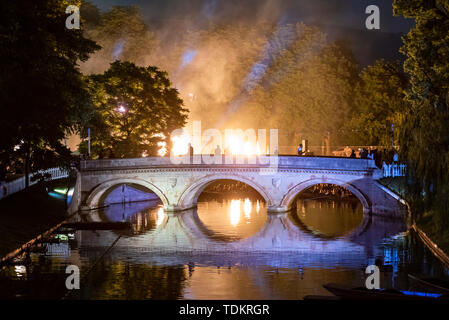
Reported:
(282, 241)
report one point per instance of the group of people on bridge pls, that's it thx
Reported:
(370, 153)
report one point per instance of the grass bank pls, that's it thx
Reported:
(397, 185)
(428, 221)
(26, 214)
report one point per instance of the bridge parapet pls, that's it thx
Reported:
(282, 162)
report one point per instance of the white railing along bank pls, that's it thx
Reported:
(19, 184)
(394, 170)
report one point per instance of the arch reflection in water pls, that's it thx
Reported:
(236, 218)
(330, 218)
(143, 216)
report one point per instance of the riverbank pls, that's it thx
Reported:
(433, 230)
(26, 214)
(427, 223)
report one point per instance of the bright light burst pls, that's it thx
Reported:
(247, 208)
(238, 146)
(234, 213)
(235, 143)
(160, 216)
(180, 144)
(121, 109)
(162, 151)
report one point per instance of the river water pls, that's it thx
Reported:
(227, 248)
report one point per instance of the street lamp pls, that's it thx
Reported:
(121, 109)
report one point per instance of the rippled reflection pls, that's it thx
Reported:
(328, 217)
(143, 216)
(235, 218)
(234, 212)
(160, 216)
(167, 256)
(247, 207)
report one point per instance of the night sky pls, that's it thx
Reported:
(344, 13)
(341, 19)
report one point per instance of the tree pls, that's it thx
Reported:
(42, 93)
(136, 107)
(424, 137)
(380, 104)
(90, 14)
(307, 89)
(122, 34)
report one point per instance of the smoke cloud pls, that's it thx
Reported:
(219, 53)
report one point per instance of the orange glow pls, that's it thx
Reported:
(162, 145)
(235, 212)
(247, 208)
(235, 143)
(180, 145)
(162, 151)
(160, 216)
(237, 146)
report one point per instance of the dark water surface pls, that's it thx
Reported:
(225, 249)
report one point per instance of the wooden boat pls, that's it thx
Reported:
(431, 284)
(361, 293)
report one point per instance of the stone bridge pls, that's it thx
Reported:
(278, 179)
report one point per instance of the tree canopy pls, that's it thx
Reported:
(136, 107)
(380, 105)
(306, 89)
(122, 34)
(424, 138)
(42, 93)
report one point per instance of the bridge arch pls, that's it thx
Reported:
(190, 195)
(94, 197)
(291, 195)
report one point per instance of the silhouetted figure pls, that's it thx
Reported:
(191, 151)
(218, 151)
(352, 154)
(363, 153)
(376, 158)
(395, 158)
(111, 154)
(300, 150)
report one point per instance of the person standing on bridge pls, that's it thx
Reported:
(218, 151)
(300, 150)
(352, 154)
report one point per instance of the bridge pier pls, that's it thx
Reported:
(275, 209)
(173, 208)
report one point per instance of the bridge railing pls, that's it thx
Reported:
(394, 170)
(334, 163)
(18, 184)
